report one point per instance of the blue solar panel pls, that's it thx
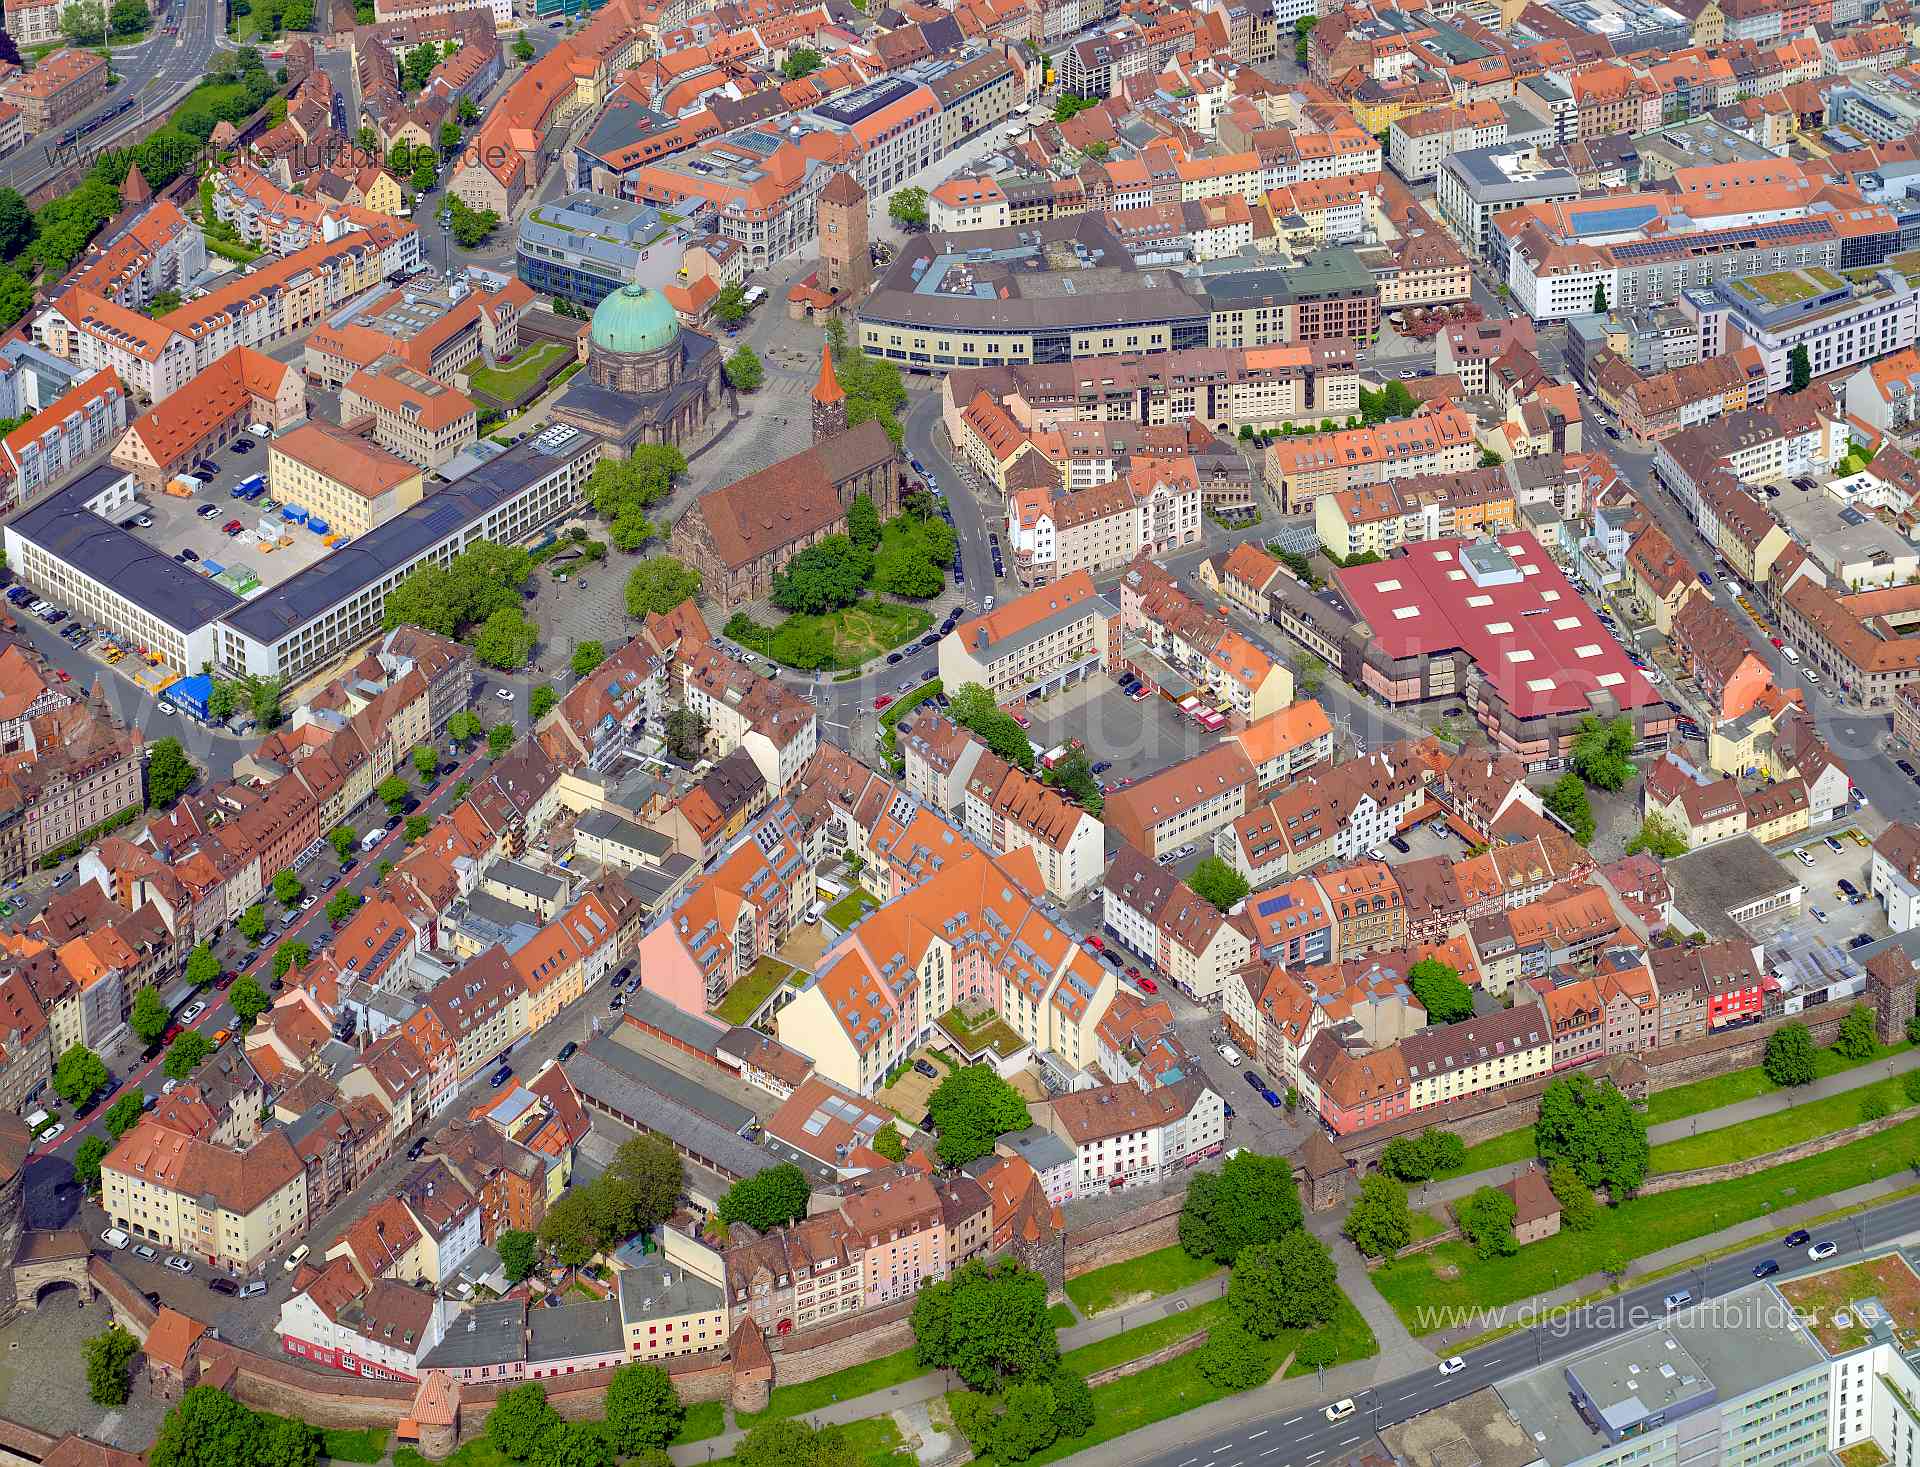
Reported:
(1274, 904)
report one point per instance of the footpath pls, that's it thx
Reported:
(1776, 1102)
(1399, 1353)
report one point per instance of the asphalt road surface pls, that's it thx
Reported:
(1302, 1439)
(158, 72)
(312, 924)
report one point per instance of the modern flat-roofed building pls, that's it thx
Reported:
(1496, 620)
(1841, 323)
(1475, 186)
(293, 628)
(71, 547)
(1330, 295)
(583, 246)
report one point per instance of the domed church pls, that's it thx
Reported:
(648, 379)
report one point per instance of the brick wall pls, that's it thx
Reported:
(1186, 1345)
(1668, 1181)
(810, 1354)
(1152, 1225)
(1480, 1117)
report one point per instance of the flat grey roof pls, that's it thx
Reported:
(436, 519)
(484, 1334)
(1745, 1341)
(698, 1098)
(574, 1329)
(605, 825)
(1038, 1147)
(516, 877)
(1726, 877)
(64, 527)
(657, 1290)
(672, 1020)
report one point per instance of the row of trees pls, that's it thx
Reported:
(874, 390)
(1792, 1059)
(476, 598)
(643, 1414)
(624, 491)
(973, 708)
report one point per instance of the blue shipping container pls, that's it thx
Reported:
(191, 693)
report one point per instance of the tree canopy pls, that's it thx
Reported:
(1566, 797)
(1856, 1039)
(1441, 993)
(1486, 1220)
(455, 599)
(973, 708)
(767, 1199)
(988, 1323)
(660, 583)
(169, 771)
(826, 576)
(1790, 1058)
(1252, 1199)
(1217, 883)
(1657, 836)
(907, 207)
(624, 490)
(971, 1109)
(78, 1075)
(1592, 1127)
(1379, 1222)
(1603, 752)
(1420, 1158)
(1290, 1283)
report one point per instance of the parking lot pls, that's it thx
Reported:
(1137, 739)
(196, 524)
(1845, 918)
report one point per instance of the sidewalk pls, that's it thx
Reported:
(936, 1383)
(1432, 1193)
(1399, 1355)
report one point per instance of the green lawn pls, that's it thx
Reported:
(479, 1452)
(369, 1445)
(704, 1419)
(845, 912)
(1152, 1274)
(1689, 1100)
(1639, 1226)
(751, 991)
(858, 634)
(1061, 1316)
(991, 1032)
(842, 1385)
(1777, 1128)
(1144, 1339)
(505, 384)
(1176, 1386)
(1737, 1085)
(1507, 1147)
(1427, 1225)
(877, 1442)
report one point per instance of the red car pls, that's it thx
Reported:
(226, 980)
(1147, 985)
(1776, 641)
(1021, 719)
(173, 1033)
(882, 701)
(1134, 973)
(63, 674)
(231, 527)
(1094, 942)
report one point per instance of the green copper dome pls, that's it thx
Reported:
(633, 320)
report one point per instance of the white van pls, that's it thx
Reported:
(815, 913)
(373, 838)
(1789, 654)
(1230, 1055)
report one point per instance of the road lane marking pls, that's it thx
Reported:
(1270, 1451)
(1254, 1436)
(1291, 1419)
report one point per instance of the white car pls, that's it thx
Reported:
(115, 1238)
(52, 1134)
(1452, 1365)
(505, 695)
(192, 1011)
(1823, 1250)
(167, 1089)
(1341, 1410)
(179, 1264)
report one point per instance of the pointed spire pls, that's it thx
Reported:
(136, 190)
(828, 388)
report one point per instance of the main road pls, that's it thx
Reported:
(157, 73)
(1303, 1438)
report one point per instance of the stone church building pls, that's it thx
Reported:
(737, 536)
